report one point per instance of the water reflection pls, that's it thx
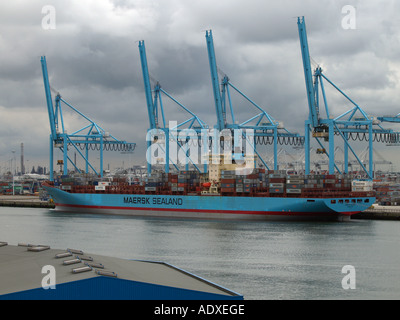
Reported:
(261, 260)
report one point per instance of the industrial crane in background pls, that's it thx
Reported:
(395, 119)
(394, 139)
(354, 124)
(267, 130)
(182, 134)
(90, 137)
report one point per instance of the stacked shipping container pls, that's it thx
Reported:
(258, 183)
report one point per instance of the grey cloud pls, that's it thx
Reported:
(93, 59)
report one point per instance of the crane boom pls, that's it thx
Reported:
(314, 114)
(395, 119)
(221, 123)
(49, 101)
(147, 86)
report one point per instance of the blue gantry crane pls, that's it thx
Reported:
(266, 130)
(394, 138)
(90, 137)
(354, 124)
(181, 134)
(394, 119)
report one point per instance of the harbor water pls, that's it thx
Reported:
(261, 260)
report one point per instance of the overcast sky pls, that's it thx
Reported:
(93, 61)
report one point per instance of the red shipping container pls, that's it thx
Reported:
(227, 180)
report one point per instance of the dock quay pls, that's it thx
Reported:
(28, 201)
(378, 212)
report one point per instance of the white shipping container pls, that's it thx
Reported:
(359, 185)
(293, 190)
(276, 185)
(295, 181)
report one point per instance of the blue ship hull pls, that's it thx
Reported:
(209, 207)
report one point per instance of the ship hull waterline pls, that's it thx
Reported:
(210, 207)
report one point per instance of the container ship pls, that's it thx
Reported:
(218, 194)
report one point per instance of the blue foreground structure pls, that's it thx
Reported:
(26, 271)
